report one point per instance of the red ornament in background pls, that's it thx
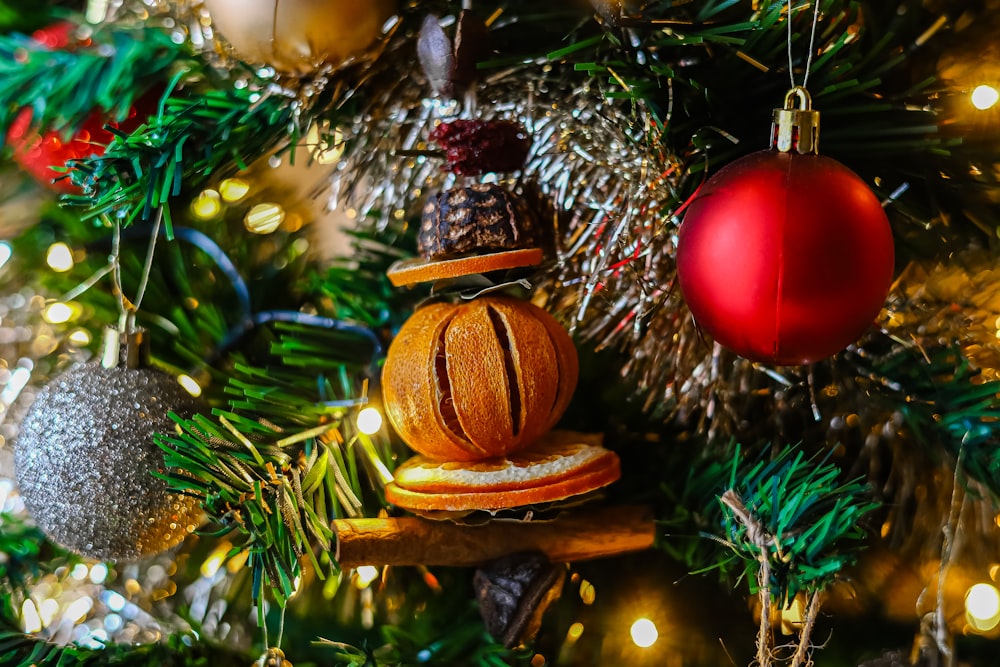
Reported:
(785, 257)
(38, 153)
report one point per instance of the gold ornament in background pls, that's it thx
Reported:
(297, 36)
(274, 657)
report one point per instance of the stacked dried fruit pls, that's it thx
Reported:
(476, 386)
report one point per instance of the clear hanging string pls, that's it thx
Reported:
(812, 43)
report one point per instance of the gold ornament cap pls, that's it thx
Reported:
(796, 130)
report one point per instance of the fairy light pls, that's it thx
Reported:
(369, 421)
(982, 607)
(59, 257)
(30, 620)
(60, 313)
(78, 609)
(233, 189)
(206, 205)
(190, 385)
(364, 576)
(80, 337)
(644, 633)
(5, 253)
(98, 573)
(215, 560)
(264, 218)
(323, 151)
(984, 97)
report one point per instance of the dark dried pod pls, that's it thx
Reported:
(513, 594)
(479, 218)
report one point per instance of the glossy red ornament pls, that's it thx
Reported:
(785, 258)
(43, 155)
(37, 153)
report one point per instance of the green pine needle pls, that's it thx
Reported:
(811, 521)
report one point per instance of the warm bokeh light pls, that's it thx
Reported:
(264, 218)
(575, 632)
(206, 205)
(982, 607)
(5, 253)
(80, 337)
(369, 421)
(190, 385)
(644, 633)
(984, 97)
(78, 609)
(59, 312)
(215, 560)
(59, 257)
(365, 575)
(233, 189)
(323, 151)
(30, 620)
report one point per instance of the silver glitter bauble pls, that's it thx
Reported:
(84, 458)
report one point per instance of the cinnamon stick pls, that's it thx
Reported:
(582, 535)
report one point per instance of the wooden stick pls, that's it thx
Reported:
(582, 535)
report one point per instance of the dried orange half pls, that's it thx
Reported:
(545, 473)
(478, 379)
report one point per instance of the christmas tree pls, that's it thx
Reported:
(499, 333)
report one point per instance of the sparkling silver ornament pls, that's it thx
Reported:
(84, 457)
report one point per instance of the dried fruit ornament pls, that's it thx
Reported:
(476, 386)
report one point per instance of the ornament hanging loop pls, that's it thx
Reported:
(796, 129)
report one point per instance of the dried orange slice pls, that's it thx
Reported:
(417, 270)
(543, 474)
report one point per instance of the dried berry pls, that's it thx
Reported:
(474, 147)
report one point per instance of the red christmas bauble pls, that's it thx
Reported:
(785, 258)
(43, 155)
(38, 153)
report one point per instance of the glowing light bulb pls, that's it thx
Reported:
(30, 620)
(59, 313)
(233, 189)
(982, 607)
(206, 205)
(80, 337)
(59, 257)
(369, 421)
(190, 385)
(984, 97)
(77, 610)
(5, 253)
(264, 218)
(644, 633)
(325, 151)
(364, 576)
